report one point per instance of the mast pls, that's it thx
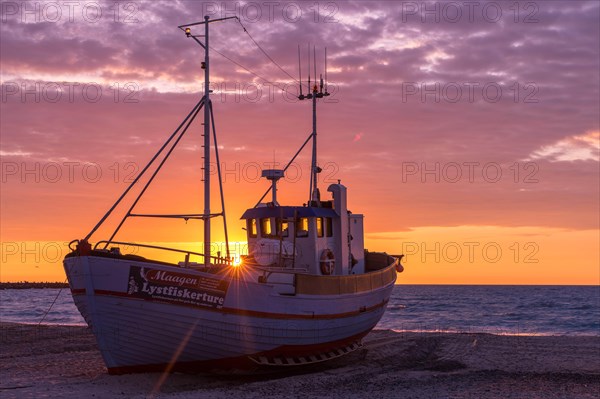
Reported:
(207, 129)
(314, 93)
(313, 167)
(206, 148)
(168, 148)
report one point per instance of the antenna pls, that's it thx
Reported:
(309, 95)
(315, 62)
(326, 81)
(321, 85)
(301, 96)
(313, 93)
(315, 85)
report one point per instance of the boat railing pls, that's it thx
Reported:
(218, 260)
(279, 270)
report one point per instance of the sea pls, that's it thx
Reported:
(505, 310)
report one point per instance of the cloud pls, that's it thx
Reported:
(423, 91)
(16, 153)
(585, 147)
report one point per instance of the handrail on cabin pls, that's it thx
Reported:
(218, 260)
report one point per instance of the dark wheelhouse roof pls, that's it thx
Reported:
(287, 212)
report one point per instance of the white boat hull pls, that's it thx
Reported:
(152, 316)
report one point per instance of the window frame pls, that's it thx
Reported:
(328, 227)
(297, 228)
(262, 229)
(320, 227)
(281, 231)
(252, 228)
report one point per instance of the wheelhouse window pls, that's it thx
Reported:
(319, 227)
(265, 227)
(328, 227)
(282, 228)
(302, 227)
(252, 228)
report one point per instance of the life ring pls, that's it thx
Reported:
(327, 262)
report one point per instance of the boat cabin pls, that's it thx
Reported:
(323, 238)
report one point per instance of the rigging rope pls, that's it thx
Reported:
(268, 56)
(265, 52)
(51, 305)
(253, 73)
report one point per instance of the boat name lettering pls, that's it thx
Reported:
(176, 287)
(172, 278)
(176, 292)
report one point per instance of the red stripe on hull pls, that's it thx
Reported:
(253, 313)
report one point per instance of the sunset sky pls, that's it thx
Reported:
(467, 133)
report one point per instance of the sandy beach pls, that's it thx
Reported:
(63, 361)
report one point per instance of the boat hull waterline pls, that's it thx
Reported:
(149, 316)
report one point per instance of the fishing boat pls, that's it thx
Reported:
(306, 292)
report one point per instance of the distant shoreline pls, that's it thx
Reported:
(57, 284)
(21, 285)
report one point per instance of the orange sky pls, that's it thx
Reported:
(473, 189)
